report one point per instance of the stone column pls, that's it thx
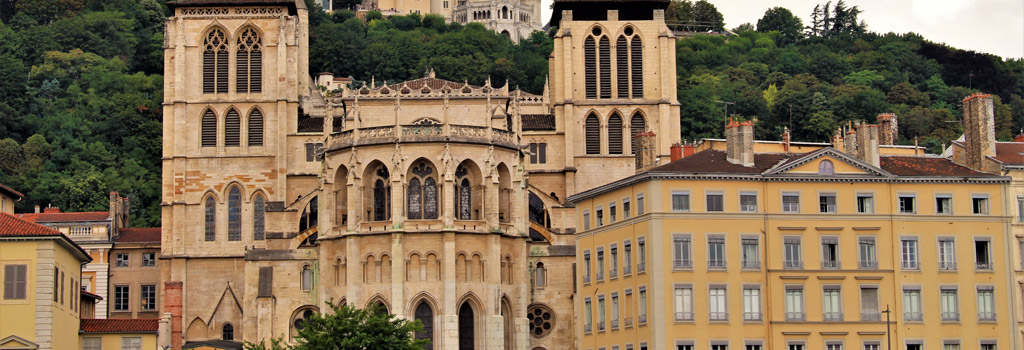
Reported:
(355, 197)
(491, 197)
(449, 332)
(397, 275)
(353, 271)
(448, 198)
(397, 199)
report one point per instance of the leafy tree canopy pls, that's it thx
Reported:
(346, 327)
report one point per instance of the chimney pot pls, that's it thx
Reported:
(676, 152)
(688, 150)
(37, 208)
(1019, 138)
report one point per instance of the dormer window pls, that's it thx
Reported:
(826, 168)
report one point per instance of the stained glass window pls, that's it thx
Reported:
(259, 210)
(235, 214)
(211, 219)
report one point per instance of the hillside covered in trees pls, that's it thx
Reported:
(81, 84)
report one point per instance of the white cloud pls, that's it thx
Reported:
(935, 11)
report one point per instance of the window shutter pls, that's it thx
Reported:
(256, 71)
(622, 66)
(543, 153)
(255, 128)
(209, 127)
(266, 281)
(637, 49)
(209, 71)
(232, 126)
(241, 69)
(606, 68)
(10, 281)
(869, 300)
(593, 135)
(590, 67)
(222, 70)
(533, 153)
(615, 134)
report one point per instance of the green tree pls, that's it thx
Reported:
(706, 13)
(783, 21)
(771, 96)
(346, 327)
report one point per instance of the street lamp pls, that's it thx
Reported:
(888, 335)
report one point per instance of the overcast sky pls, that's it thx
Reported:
(992, 26)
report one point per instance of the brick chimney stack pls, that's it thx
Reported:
(979, 129)
(850, 141)
(739, 142)
(785, 140)
(676, 152)
(646, 151)
(867, 143)
(888, 129)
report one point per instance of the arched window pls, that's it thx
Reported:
(381, 199)
(506, 317)
(209, 129)
(466, 327)
(249, 62)
(464, 194)
(229, 332)
(590, 66)
(255, 128)
(615, 134)
(636, 126)
(307, 278)
(540, 275)
(232, 129)
(592, 128)
(259, 212)
(215, 62)
(422, 192)
(234, 214)
(211, 219)
(426, 316)
(606, 67)
(622, 67)
(636, 48)
(826, 167)
(299, 320)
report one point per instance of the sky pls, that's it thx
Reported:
(990, 26)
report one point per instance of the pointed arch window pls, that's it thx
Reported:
(210, 227)
(540, 275)
(636, 125)
(466, 327)
(622, 67)
(592, 128)
(606, 67)
(255, 128)
(615, 134)
(425, 315)
(382, 195)
(215, 62)
(590, 67)
(209, 129)
(259, 212)
(234, 214)
(307, 278)
(422, 193)
(636, 48)
(228, 332)
(249, 62)
(232, 129)
(463, 194)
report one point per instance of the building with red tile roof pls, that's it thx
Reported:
(8, 196)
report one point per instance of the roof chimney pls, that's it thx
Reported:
(51, 210)
(1019, 137)
(739, 143)
(785, 139)
(688, 149)
(888, 133)
(676, 152)
(37, 208)
(867, 144)
(979, 129)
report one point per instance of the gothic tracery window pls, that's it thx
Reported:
(606, 67)
(259, 211)
(249, 62)
(463, 194)
(234, 214)
(210, 227)
(215, 62)
(425, 315)
(422, 193)
(382, 195)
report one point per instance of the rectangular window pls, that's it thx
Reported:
(748, 202)
(752, 303)
(717, 308)
(979, 204)
(588, 319)
(148, 259)
(865, 203)
(829, 252)
(790, 202)
(148, 301)
(947, 253)
(615, 310)
(642, 312)
(908, 253)
(827, 203)
(872, 346)
(121, 298)
(943, 204)
(611, 212)
(586, 266)
(92, 343)
(988, 345)
(641, 255)
(625, 208)
(796, 346)
(684, 303)
(948, 304)
(951, 345)
(795, 303)
(753, 347)
(131, 343)
(982, 254)
(538, 153)
(833, 346)
(1020, 209)
(915, 346)
(715, 202)
(750, 250)
(832, 304)
(986, 303)
(600, 313)
(121, 260)
(684, 346)
(600, 216)
(15, 282)
(681, 252)
(640, 204)
(792, 247)
(869, 303)
(719, 346)
(613, 269)
(912, 304)
(716, 252)
(586, 220)
(868, 256)
(627, 258)
(680, 201)
(600, 264)
(906, 204)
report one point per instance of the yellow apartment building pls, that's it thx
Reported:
(8, 197)
(41, 281)
(140, 334)
(806, 249)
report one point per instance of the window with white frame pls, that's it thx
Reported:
(586, 220)
(943, 204)
(121, 260)
(869, 303)
(642, 307)
(615, 310)
(627, 258)
(832, 309)
(868, 254)
(720, 346)
(908, 253)
(625, 208)
(912, 304)
(865, 203)
(611, 212)
(906, 203)
(872, 345)
(148, 259)
(951, 345)
(717, 308)
(600, 313)
(1020, 209)
(988, 345)
(715, 201)
(947, 253)
(795, 346)
(681, 251)
(599, 215)
(613, 268)
(751, 303)
(683, 303)
(793, 259)
(790, 202)
(121, 298)
(795, 303)
(749, 248)
(716, 252)
(979, 204)
(588, 319)
(586, 266)
(640, 204)
(833, 346)
(829, 252)
(748, 202)
(131, 343)
(600, 263)
(92, 343)
(986, 303)
(641, 263)
(982, 253)
(827, 203)
(680, 201)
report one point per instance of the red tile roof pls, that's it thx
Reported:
(11, 225)
(537, 122)
(92, 295)
(1010, 152)
(925, 166)
(11, 191)
(120, 325)
(714, 162)
(139, 235)
(66, 217)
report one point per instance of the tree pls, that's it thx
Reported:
(349, 328)
(771, 96)
(706, 13)
(783, 21)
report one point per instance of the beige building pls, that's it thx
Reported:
(8, 196)
(135, 274)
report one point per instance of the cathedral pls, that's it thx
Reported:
(439, 201)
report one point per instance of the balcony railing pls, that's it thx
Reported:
(615, 324)
(640, 267)
(752, 264)
(600, 276)
(793, 264)
(684, 316)
(829, 265)
(613, 273)
(718, 316)
(682, 264)
(832, 316)
(986, 316)
(419, 133)
(795, 316)
(947, 265)
(910, 265)
(642, 319)
(950, 316)
(600, 326)
(868, 264)
(716, 263)
(912, 316)
(751, 316)
(586, 278)
(870, 316)
(627, 322)
(627, 270)
(982, 265)
(587, 328)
